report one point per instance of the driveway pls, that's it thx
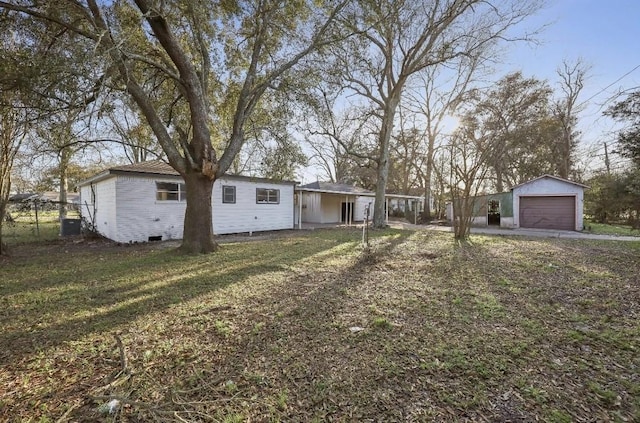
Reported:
(540, 233)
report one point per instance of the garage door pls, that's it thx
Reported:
(548, 212)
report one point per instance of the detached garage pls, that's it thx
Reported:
(549, 202)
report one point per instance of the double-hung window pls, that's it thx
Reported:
(229, 194)
(267, 196)
(170, 191)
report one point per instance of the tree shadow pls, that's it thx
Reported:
(92, 306)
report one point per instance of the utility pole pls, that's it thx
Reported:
(606, 159)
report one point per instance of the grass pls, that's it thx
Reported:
(27, 229)
(502, 329)
(610, 229)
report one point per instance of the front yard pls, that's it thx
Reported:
(309, 328)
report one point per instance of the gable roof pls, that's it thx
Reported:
(557, 178)
(160, 168)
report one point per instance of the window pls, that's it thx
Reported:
(267, 196)
(170, 191)
(229, 194)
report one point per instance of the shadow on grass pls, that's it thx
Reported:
(101, 292)
(305, 340)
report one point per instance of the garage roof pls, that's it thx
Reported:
(551, 177)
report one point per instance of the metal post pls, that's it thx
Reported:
(299, 209)
(386, 201)
(35, 203)
(365, 227)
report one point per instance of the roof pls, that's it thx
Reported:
(331, 187)
(557, 178)
(23, 197)
(160, 168)
(157, 167)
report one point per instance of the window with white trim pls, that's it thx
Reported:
(170, 191)
(267, 196)
(229, 194)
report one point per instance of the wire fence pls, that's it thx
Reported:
(35, 220)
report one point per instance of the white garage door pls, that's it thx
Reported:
(548, 212)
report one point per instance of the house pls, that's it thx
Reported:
(146, 202)
(54, 197)
(546, 202)
(327, 202)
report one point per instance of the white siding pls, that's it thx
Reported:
(311, 207)
(248, 216)
(100, 208)
(127, 209)
(549, 187)
(141, 216)
(361, 203)
(327, 207)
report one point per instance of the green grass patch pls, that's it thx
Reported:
(610, 229)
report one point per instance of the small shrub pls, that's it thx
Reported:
(382, 323)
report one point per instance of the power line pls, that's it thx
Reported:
(608, 86)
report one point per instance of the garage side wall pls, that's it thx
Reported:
(548, 187)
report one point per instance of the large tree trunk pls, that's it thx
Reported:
(63, 174)
(499, 178)
(379, 213)
(198, 237)
(427, 177)
(565, 156)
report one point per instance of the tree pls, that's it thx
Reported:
(138, 141)
(405, 160)
(13, 130)
(280, 159)
(469, 150)
(18, 67)
(606, 200)
(627, 111)
(515, 114)
(398, 39)
(627, 201)
(439, 92)
(76, 173)
(181, 62)
(572, 79)
(339, 140)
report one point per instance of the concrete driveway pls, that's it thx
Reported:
(540, 233)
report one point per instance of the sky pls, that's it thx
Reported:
(605, 34)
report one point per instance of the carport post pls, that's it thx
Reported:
(346, 210)
(386, 203)
(299, 209)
